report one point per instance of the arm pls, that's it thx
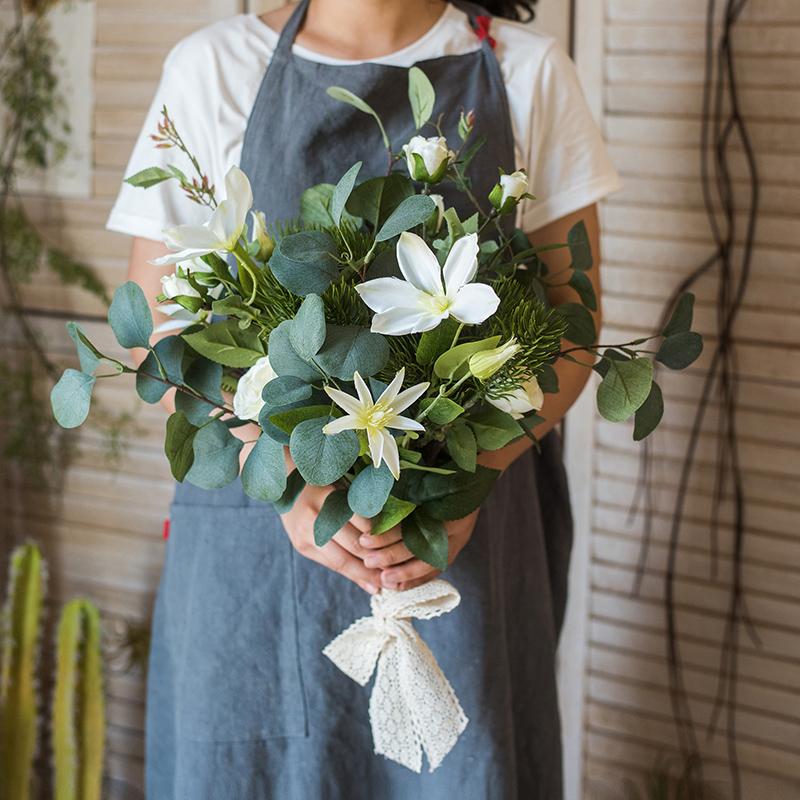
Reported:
(400, 570)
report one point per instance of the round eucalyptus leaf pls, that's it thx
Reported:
(286, 389)
(369, 491)
(284, 358)
(264, 472)
(307, 329)
(350, 348)
(216, 457)
(304, 262)
(71, 397)
(680, 350)
(413, 211)
(333, 516)
(130, 317)
(322, 459)
(624, 388)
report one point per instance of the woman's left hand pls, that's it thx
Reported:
(399, 568)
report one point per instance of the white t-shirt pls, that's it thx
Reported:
(210, 80)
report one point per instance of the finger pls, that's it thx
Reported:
(379, 540)
(404, 587)
(404, 573)
(364, 524)
(349, 537)
(335, 557)
(395, 553)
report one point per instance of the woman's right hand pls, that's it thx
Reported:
(343, 554)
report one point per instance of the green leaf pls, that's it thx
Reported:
(342, 192)
(178, 444)
(427, 539)
(322, 459)
(225, 343)
(264, 472)
(462, 446)
(624, 388)
(581, 283)
(579, 247)
(370, 490)
(433, 343)
(333, 516)
(150, 377)
(680, 350)
(286, 389)
(494, 428)
(130, 317)
(443, 410)
(449, 497)
(305, 262)
(206, 378)
(345, 96)
(449, 362)
(548, 379)
(412, 211)
(307, 329)
(681, 319)
(284, 359)
(350, 348)
(580, 325)
(315, 204)
(146, 178)
(295, 484)
(216, 457)
(233, 306)
(394, 511)
(289, 419)
(88, 355)
(71, 397)
(375, 199)
(421, 96)
(649, 414)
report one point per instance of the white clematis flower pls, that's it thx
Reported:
(247, 401)
(221, 232)
(421, 301)
(521, 401)
(376, 416)
(427, 159)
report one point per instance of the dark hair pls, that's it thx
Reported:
(510, 9)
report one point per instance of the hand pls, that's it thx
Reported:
(344, 553)
(399, 568)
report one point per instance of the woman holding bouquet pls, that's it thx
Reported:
(241, 704)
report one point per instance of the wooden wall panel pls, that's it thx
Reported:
(655, 231)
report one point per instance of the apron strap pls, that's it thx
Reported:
(290, 30)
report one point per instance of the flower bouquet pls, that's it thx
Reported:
(382, 338)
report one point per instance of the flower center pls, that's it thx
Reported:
(377, 416)
(439, 304)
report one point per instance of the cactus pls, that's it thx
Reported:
(78, 733)
(18, 699)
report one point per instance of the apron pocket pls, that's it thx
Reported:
(238, 672)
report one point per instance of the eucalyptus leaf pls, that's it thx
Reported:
(346, 96)
(204, 377)
(295, 483)
(88, 355)
(350, 348)
(580, 247)
(427, 539)
(649, 414)
(286, 389)
(342, 192)
(680, 350)
(225, 343)
(216, 457)
(305, 262)
(421, 96)
(581, 283)
(264, 472)
(375, 199)
(130, 317)
(322, 458)
(333, 516)
(288, 419)
(370, 489)
(624, 388)
(394, 511)
(154, 373)
(315, 204)
(307, 329)
(494, 428)
(413, 211)
(284, 359)
(449, 497)
(580, 325)
(71, 397)
(179, 444)
(681, 319)
(548, 379)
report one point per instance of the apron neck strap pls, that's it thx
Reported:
(474, 12)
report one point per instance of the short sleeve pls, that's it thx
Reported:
(569, 167)
(146, 212)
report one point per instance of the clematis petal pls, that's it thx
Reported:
(418, 264)
(462, 263)
(346, 423)
(391, 455)
(474, 303)
(364, 394)
(190, 237)
(381, 294)
(404, 424)
(225, 224)
(399, 321)
(376, 444)
(181, 255)
(390, 392)
(409, 396)
(346, 401)
(240, 193)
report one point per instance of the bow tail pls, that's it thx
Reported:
(356, 649)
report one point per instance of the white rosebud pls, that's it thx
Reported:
(259, 234)
(485, 363)
(509, 191)
(176, 286)
(438, 215)
(247, 401)
(428, 159)
(521, 401)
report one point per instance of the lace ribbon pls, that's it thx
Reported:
(413, 706)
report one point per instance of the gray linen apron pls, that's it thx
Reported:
(242, 705)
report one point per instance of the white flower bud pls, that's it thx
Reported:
(438, 215)
(485, 363)
(247, 401)
(521, 401)
(427, 159)
(176, 286)
(259, 234)
(509, 191)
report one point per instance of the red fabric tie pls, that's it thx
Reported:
(482, 30)
(165, 529)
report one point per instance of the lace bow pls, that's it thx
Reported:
(413, 706)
